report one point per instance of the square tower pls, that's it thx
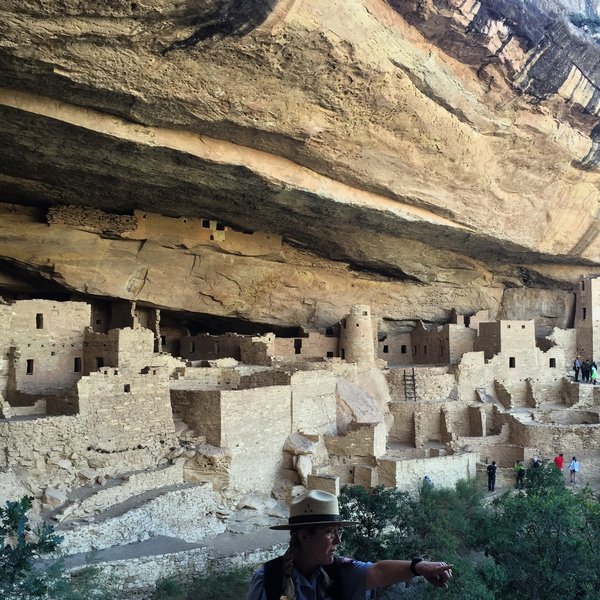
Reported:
(587, 317)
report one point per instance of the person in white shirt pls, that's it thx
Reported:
(574, 467)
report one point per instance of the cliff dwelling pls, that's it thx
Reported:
(247, 253)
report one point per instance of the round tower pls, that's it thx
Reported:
(357, 343)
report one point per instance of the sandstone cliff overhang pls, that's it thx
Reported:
(397, 137)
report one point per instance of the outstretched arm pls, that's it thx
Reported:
(387, 572)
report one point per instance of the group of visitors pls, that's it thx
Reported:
(574, 466)
(587, 368)
(520, 471)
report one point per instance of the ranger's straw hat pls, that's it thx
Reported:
(314, 508)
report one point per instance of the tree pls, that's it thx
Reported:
(23, 577)
(439, 523)
(385, 518)
(546, 539)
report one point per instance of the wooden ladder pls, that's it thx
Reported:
(410, 386)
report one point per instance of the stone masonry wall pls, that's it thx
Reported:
(255, 425)
(136, 348)
(396, 349)
(258, 350)
(361, 441)
(136, 578)
(131, 485)
(547, 439)
(251, 424)
(430, 346)
(62, 450)
(193, 232)
(315, 345)
(100, 350)
(445, 471)
(200, 410)
(313, 402)
(187, 512)
(488, 340)
(47, 338)
(432, 383)
(124, 348)
(211, 347)
(461, 340)
(475, 374)
(125, 408)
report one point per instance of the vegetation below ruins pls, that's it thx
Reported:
(22, 576)
(543, 542)
(226, 585)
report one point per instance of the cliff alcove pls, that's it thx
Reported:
(251, 247)
(414, 156)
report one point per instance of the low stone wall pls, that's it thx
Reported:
(187, 513)
(547, 439)
(131, 485)
(135, 579)
(445, 471)
(432, 383)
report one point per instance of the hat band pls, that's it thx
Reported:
(313, 518)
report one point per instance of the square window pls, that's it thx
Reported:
(512, 363)
(552, 363)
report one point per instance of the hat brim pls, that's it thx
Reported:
(302, 525)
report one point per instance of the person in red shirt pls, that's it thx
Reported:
(559, 461)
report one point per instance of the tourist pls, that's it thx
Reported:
(559, 461)
(491, 473)
(427, 482)
(574, 467)
(586, 369)
(577, 367)
(520, 474)
(594, 373)
(310, 569)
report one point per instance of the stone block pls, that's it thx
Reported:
(326, 483)
(54, 497)
(365, 476)
(304, 467)
(298, 444)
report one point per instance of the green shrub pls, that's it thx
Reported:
(22, 574)
(169, 589)
(221, 585)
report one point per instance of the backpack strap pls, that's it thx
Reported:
(273, 578)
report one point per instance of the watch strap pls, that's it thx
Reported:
(413, 564)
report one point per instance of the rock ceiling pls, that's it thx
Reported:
(415, 156)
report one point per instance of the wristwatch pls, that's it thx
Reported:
(413, 564)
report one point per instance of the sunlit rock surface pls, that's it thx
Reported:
(413, 156)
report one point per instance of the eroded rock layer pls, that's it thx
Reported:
(413, 156)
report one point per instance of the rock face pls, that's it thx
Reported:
(411, 155)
